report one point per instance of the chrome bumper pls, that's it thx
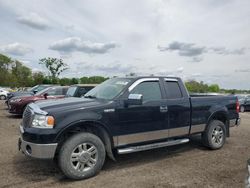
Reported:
(40, 151)
(234, 122)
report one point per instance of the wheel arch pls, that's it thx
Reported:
(222, 116)
(94, 127)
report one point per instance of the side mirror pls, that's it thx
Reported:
(135, 99)
(45, 95)
(35, 91)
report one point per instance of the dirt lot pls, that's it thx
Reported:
(189, 165)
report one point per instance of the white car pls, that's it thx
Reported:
(3, 94)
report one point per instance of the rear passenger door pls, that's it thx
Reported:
(178, 108)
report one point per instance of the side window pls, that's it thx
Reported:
(51, 91)
(64, 91)
(59, 91)
(55, 91)
(247, 99)
(150, 90)
(173, 90)
(40, 88)
(81, 91)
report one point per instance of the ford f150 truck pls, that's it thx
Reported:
(123, 115)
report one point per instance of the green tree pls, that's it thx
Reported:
(84, 80)
(65, 81)
(214, 88)
(38, 78)
(92, 80)
(47, 80)
(21, 74)
(55, 67)
(5, 70)
(96, 79)
(196, 87)
(74, 81)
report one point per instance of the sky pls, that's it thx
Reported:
(205, 40)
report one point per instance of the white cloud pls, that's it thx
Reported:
(34, 21)
(16, 49)
(72, 44)
(218, 42)
(196, 52)
(180, 70)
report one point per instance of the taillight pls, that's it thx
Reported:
(237, 106)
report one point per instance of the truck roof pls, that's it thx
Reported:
(138, 77)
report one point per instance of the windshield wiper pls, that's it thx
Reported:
(90, 96)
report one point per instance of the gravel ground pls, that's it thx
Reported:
(189, 165)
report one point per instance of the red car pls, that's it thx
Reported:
(18, 104)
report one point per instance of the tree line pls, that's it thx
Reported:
(15, 74)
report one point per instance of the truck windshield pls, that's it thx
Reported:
(108, 89)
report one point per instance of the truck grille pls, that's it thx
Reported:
(27, 117)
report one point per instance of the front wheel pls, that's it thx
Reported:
(214, 136)
(82, 156)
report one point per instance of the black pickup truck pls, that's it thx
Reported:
(123, 115)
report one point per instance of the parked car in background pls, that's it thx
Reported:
(29, 92)
(18, 104)
(3, 94)
(123, 115)
(244, 103)
(79, 90)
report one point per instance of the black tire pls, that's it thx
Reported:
(83, 158)
(2, 97)
(214, 136)
(242, 109)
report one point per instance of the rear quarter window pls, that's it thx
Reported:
(173, 90)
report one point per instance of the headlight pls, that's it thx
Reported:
(15, 100)
(42, 121)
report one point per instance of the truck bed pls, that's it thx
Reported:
(203, 106)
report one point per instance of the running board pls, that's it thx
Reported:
(152, 146)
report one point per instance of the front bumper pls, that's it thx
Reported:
(40, 151)
(234, 122)
(35, 150)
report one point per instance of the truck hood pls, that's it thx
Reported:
(69, 103)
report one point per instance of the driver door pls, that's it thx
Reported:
(145, 122)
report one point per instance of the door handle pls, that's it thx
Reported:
(163, 108)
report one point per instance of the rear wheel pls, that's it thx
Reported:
(82, 156)
(242, 109)
(215, 135)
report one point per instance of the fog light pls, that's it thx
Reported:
(28, 149)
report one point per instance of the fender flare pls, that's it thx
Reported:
(88, 124)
